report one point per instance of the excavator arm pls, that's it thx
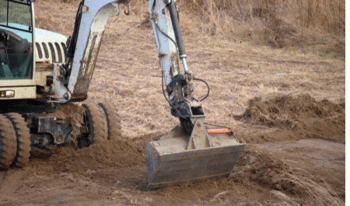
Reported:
(186, 153)
(84, 45)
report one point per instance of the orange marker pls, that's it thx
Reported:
(218, 131)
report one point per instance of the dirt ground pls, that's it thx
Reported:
(309, 172)
(288, 107)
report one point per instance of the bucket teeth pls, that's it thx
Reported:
(174, 160)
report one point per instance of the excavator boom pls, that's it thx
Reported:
(188, 152)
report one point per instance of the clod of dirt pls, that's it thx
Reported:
(299, 116)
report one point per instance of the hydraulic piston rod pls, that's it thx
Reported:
(179, 40)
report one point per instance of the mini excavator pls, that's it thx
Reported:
(41, 70)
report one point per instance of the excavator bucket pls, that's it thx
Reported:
(178, 158)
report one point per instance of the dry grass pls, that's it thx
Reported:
(316, 26)
(127, 73)
(327, 15)
(279, 23)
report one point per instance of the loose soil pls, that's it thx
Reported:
(292, 117)
(287, 106)
(114, 172)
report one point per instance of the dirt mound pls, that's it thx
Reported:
(260, 167)
(299, 116)
(116, 153)
(264, 170)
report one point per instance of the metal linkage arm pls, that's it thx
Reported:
(167, 32)
(85, 44)
(165, 39)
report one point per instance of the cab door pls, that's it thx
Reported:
(17, 47)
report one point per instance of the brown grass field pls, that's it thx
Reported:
(277, 77)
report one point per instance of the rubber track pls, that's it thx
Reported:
(8, 143)
(99, 128)
(113, 121)
(23, 139)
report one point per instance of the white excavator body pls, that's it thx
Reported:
(39, 66)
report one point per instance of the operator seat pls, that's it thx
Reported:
(20, 47)
(3, 48)
(2, 52)
(4, 68)
(19, 57)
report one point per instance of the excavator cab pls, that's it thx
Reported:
(63, 72)
(16, 40)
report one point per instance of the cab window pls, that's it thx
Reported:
(16, 40)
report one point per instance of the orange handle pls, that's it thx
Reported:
(218, 131)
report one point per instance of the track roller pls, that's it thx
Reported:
(8, 143)
(96, 121)
(113, 121)
(23, 139)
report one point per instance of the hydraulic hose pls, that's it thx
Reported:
(73, 41)
(208, 92)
